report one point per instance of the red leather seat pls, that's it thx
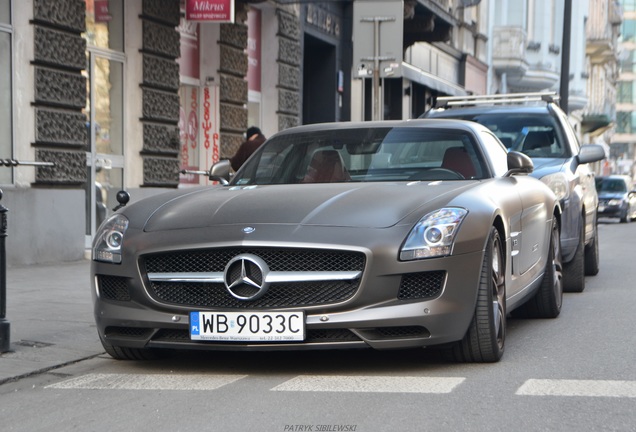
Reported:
(326, 166)
(458, 160)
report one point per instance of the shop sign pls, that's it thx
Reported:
(199, 131)
(210, 150)
(323, 19)
(210, 10)
(188, 133)
(101, 11)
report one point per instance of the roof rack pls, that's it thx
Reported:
(496, 99)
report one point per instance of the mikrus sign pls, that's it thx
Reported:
(221, 11)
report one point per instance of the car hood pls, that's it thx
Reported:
(342, 205)
(546, 166)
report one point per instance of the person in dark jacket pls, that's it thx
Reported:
(254, 138)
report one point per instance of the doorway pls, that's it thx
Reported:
(105, 127)
(319, 81)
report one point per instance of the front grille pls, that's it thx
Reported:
(128, 332)
(279, 295)
(402, 332)
(215, 260)
(421, 285)
(113, 288)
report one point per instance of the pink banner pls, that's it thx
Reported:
(210, 10)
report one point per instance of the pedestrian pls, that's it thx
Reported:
(253, 140)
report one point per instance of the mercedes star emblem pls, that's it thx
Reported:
(245, 277)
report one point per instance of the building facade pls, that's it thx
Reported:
(623, 144)
(110, 94)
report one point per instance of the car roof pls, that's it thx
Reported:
(491, 109)
(536, 103)
(427, 123)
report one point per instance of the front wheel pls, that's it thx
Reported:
(574, 271)
(484, 340)
(592, 259)
(547, 302)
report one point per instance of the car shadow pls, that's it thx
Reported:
(332, 361)
(297, 362)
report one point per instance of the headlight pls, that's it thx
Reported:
(109, 239)
(433, 235)
(615, 202)
(559, 185)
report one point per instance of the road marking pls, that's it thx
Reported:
(372, 384)
(593, 388)
(147, 382)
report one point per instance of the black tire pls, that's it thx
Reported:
(485, 338)
(625, 218)
(592, 257)
(125, 353)
(574, 271)
(547, 302)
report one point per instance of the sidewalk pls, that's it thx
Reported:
(50, 312)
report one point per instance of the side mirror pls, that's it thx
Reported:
(220, 172)
(519, 163)
(591, 153)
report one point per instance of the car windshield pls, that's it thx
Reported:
(610, 185)
(534, 135)
(364, 155)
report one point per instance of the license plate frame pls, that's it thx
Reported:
(252, 326)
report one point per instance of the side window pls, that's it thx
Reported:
(496, 153)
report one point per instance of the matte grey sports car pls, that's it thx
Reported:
(378, 234)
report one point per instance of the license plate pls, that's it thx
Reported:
(247, 326)
(601, 208)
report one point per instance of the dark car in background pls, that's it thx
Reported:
(617, 197)
(533, 123)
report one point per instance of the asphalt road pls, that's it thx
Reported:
(573, 373)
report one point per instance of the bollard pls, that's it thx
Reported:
(4, 324)
(5, 327)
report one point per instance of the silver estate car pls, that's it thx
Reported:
(423, 233)
(533, 124)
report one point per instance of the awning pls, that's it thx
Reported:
(429, 80)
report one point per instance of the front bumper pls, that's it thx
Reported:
(611, 211)
(374, 316)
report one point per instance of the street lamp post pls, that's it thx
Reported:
(564, 89)
(376, 59)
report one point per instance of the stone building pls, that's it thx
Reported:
(623, 142)
(124, 94)
(118, 94)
